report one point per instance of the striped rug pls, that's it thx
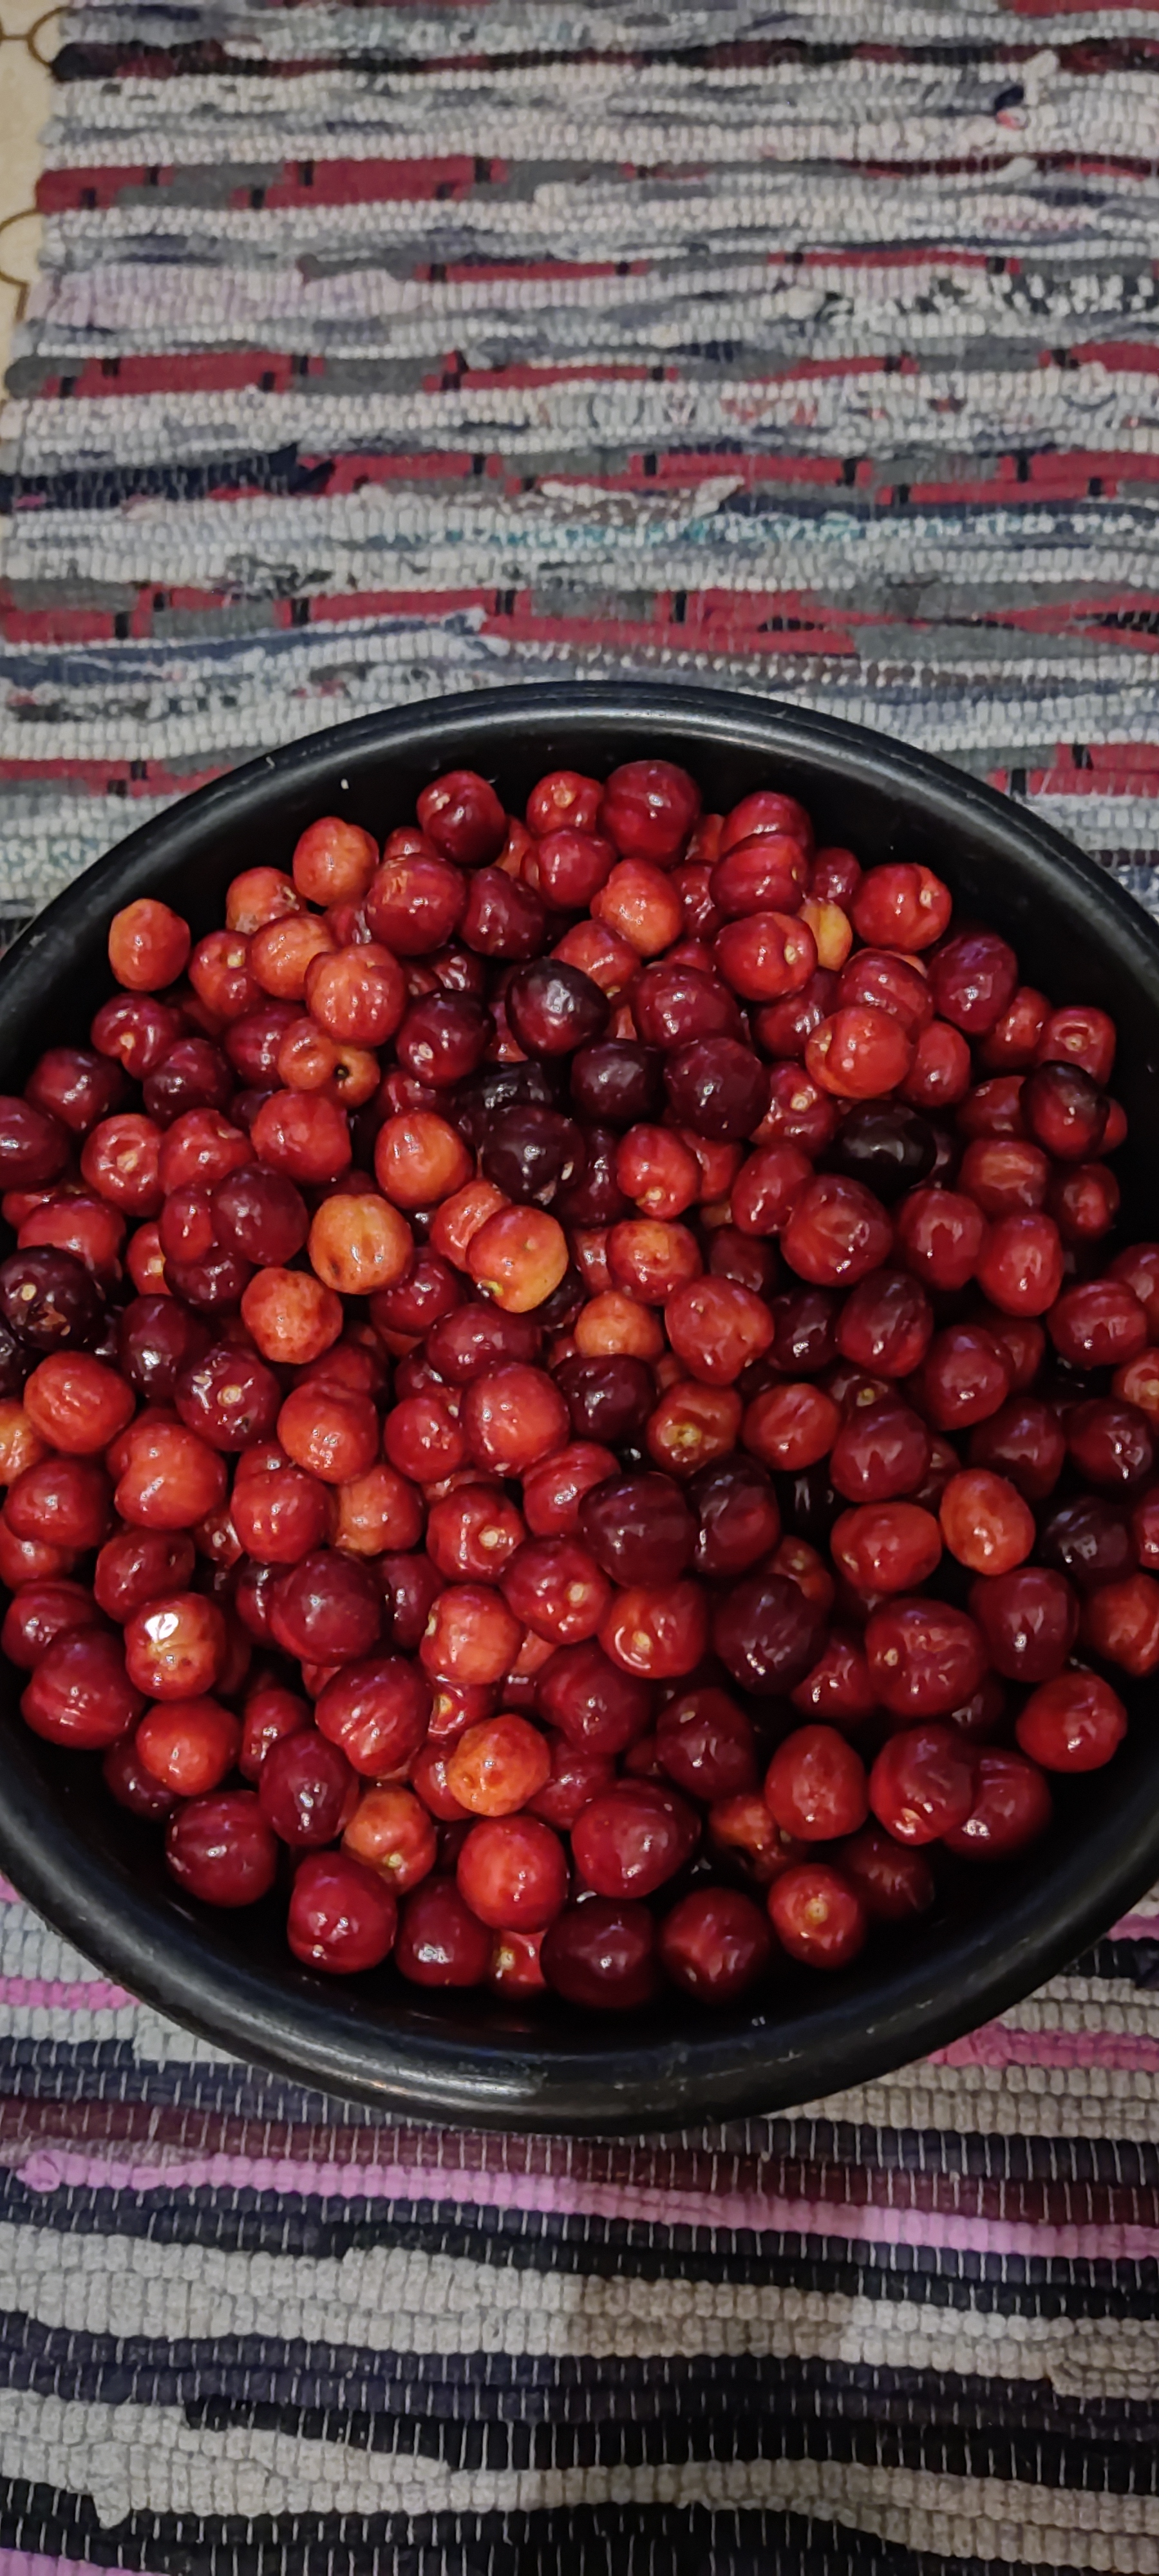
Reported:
(383, 350)
(914, 2328)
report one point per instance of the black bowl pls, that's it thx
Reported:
(96, 1874)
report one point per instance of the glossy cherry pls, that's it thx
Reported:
(818, 1915)
(1074, 1722)
(342, 1917)
(220, 1849)
(815, 1786)
(715, 1944)
(602, 1955)
(1012, 1803)
(923, 1783)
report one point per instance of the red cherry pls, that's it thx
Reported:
(715, 1944)
(1021, 1268)
(512, 1872)
(1064, 1111)
(1029, 1619)
(1121, 1621)
(221, 1849)
(189, 1744)
(886, 1547)
(1012, 1805)
(925, 1657)
(838, 1690)
(985, 1522)
(327, 1609)
(38, 1613)
(342, 1916)
(1073, 1723)
(628, 1842)
(649, 808)
(837, 1233)
(881, 1450)
(175, 1646)
(659, 1634)
(818, 1915)
(271, 1713)
(1023, 1441)
(601, 1955)
(307, 1791)
(768, 1633)
(461, 814)
(974, 978)
(80, 1693)
(440, 1942)
(894, 1880)
(965, 1377)
(594, 1702)
(922, 1784)
(704, 1745)
(1098, 1324)
(900, 906)
(815, 1785)
(127, 1780)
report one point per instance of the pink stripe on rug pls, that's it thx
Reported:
(996, 2045)
(1136, 1927)
(763, 2214)
(33, 2562)
(67, 1994)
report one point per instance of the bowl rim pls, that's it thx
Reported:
(610, 2077)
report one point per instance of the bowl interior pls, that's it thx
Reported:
(96, 1873)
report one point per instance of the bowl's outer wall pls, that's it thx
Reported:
(95, 1874)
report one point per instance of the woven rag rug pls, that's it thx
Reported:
(384, 350)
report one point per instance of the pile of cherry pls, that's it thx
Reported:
(561, 1398)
